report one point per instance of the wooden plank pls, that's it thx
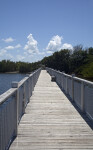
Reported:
(51, 122)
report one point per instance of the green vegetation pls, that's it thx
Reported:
(86, 69)
(80, 62)
(21, 67)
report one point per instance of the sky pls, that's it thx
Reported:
(33, 29)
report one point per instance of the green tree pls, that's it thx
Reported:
(90, 50)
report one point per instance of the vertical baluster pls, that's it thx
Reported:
(63, 81)
(30, 85)
(29, 90)
(82, 96)
(66, 85)
(24, 96)
(62, 78)
(73, 75)
(15, 85)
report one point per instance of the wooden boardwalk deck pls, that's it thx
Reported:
(51, 122)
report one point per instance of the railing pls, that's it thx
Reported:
(79, 90)
(12, 106)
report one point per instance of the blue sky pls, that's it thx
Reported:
(33, 29)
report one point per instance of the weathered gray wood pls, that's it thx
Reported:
(53, 78)
(51, 122)
(12, 107)
(15, 85)
(82, 96)
(6, 95)
(79, 90)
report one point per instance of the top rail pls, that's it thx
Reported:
(6, 95)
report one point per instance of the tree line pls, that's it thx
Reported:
(78, 61)
(21, 67)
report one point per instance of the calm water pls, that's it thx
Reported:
(6, 80)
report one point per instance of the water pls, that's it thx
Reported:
(6, 80)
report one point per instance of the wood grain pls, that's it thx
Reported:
(51, 122)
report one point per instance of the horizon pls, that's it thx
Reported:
(31, 30)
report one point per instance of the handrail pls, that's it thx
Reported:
(6, 95)
(79, 90)
(12, 106)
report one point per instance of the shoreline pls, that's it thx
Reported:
(15, 72)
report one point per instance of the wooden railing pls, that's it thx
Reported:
(12, 106)
(79, 90)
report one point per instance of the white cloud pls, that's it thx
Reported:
(9, 47)
(2, 52)
(5, 55)
(31, 45)
(8, 40)
(41, 53)
(13, 47)
(49, 52)
(25, 53)
(20, 57)
(9, 56)
(67, 46)
(18, 46)
(55, 43)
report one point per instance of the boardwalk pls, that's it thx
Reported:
(51, 122)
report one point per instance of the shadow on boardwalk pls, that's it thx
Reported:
(82, 114)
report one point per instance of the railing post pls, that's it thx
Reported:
(73, 75)
(24, 97)
(82, 96)
(66, 85)
(15, 85)
(29, 88)
(63, 79)
(31, 84)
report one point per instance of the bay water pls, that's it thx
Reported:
(6, 79)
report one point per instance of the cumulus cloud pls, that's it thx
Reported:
(25, 53)
(2, 52)
(13, 47)
(31, 45)
(20, 57)
(8, 40)
(41, 53)
(18, 46)
(5, 55)
(9, 56)
(67, 46)
(55, 43)
(49, 52)
(9, 47)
